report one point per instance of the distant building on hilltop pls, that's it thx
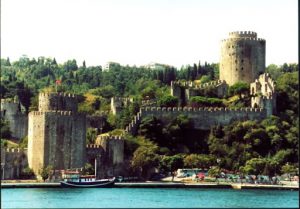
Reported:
(109, 65)
(157, 66)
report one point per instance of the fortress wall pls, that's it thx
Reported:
(96, 122)
(18, 121)
(206, 118)
(36, 144)
(58, 101)
(13, 160)
(65, 138)
(184, 90)
(58, 139)
(113, 155)
(118, 103)
(202, 118)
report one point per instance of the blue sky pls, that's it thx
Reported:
(176, 32)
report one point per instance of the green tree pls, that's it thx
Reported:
(91, 135)
(88, 169)
(254, 166)
(46, 172)
(171, 163)
(199, 101)
(198, 161)
(288, 169)
(5, 131)
(27, 173)
(214, 171)
(151, 128)
(144, 158)
(168, 101)
(205, 79)
(23, 142)
(239, 89)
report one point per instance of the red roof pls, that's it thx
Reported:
(70, 172)
(88, 176)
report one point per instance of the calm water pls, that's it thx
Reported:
(140, 197)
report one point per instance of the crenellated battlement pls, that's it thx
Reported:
(242, 34)
(58, 101)
(15, 150)
(93, 146)
(149, 102)
(200, 109)
(8, 101)
(60, 94)
(53, 112)
(244, 38)
(203, 117)
(117, 103)
(112, 137)
(191, 84)
(122, 99)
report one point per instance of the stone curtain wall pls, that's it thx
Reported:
(263, 93)
(112, 158)
(184, 90)
(242, 57)
(56, 138)
(118, 103)
(12, 162)
(202, 118)
(65, 140)
(18, 119)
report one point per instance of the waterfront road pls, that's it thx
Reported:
(161, 185)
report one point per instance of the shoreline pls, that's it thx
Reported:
(159, 184)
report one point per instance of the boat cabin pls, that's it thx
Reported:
(75, 176)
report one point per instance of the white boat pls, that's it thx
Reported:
(75, 179)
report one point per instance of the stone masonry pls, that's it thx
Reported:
(184, 90)
(13, 112)
(56, 133)
(118, 103)
(263, 93)
(242, 57)
(202, 118)
(13, 161)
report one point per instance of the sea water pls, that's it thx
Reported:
(146, 197)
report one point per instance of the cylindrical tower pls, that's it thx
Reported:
(242, 57)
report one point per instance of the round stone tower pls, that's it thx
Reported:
(242, 57)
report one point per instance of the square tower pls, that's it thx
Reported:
(56, 133)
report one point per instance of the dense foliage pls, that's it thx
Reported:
(270, 146)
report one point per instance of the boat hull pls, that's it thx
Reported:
(93, 184)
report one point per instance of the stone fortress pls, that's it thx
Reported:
(13, 112)
(242, 57)
(242, 60)
(56, 132)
